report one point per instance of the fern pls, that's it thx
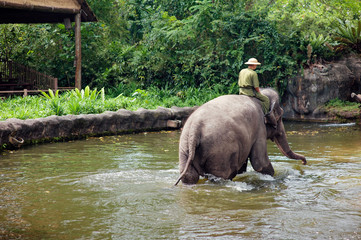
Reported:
(51, 94)
(87, 94)
(349, 34)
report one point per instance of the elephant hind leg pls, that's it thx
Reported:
(191, 176)
(243, 169)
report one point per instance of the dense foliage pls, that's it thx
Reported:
(193, 43)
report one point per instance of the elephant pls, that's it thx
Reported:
(356, 97)
(221, 135)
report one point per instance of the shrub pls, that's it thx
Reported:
(342, 105)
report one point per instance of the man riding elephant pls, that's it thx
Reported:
(222, 135)
(249, 85)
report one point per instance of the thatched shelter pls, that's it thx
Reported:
(44, 11)
(50, 11)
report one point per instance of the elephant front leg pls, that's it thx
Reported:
(259, 158)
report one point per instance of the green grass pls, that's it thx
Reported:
(92, 101)
(341, 105)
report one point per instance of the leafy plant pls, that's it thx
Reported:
(79, 101)
(316, 47)
(74, 106)
(139, 93)
(318, 41)
(51, 95)
(57, 108)
(349, 34)
(87, 93)
(55, 101)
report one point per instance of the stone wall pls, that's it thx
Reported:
(15, 132)
(313, 87)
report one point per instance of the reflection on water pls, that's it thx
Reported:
(120, 187)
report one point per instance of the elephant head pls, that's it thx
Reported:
(275, 128)
(356, 97)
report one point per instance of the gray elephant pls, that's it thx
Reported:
(356, 97)
(221, 135)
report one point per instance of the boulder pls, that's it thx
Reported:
(313, 87)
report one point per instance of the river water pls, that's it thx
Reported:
(120, 187)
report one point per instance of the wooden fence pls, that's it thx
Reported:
(16, 78)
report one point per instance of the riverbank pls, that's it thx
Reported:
(329, 114)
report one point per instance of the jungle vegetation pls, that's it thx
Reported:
(186, 49)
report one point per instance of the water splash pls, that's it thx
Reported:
(338, 125)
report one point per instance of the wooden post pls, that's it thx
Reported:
(55, 84)
(77, 51)
(10, 68)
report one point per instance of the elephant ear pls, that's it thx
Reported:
(272, 118)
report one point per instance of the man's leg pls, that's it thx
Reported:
(265, 103)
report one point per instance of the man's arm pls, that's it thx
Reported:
(255, 82)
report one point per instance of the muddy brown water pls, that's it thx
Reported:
(120, 187)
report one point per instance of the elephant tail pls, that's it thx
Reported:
(192, 144)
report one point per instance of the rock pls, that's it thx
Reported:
(315, 86)
(174, 123)
(14, 132)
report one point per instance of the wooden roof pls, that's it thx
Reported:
(44, 11)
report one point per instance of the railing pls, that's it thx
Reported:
(15, 78)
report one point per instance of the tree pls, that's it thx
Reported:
(169, 43)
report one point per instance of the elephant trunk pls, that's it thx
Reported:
(283, 145)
